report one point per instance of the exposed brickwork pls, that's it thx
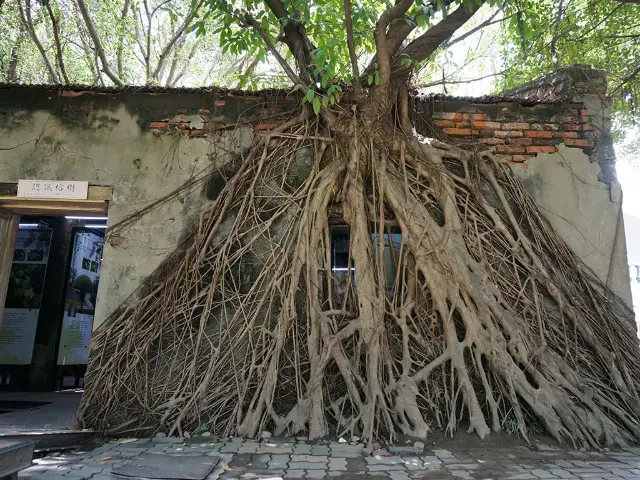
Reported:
(515, 132)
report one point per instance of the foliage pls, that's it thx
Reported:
(546, 35)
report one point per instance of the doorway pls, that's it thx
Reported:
(50, 262)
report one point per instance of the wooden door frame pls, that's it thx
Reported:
(11, 221)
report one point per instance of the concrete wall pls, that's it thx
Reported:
(586, 212)
(106, 140)
(146, 144)
(556, 134)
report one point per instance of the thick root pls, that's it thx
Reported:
(459, 307)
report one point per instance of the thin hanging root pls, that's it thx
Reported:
(464, 305)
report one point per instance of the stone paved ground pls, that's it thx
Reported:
(276, 459)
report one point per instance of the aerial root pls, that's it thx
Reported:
(455, 305)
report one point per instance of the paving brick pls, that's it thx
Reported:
(279, 461)
(316, 474)
(306, 465)
(302, 448)
(337, 464)
(294, 474)
(460, 474)
(380, 460)
(309, 458)
(399, 475)
(320, 450)
(386, 468)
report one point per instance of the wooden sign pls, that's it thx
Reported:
(76, 190)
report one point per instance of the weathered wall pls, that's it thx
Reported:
(112, 140)
(147, 143)
(555, 132)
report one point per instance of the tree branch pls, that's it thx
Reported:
(295, 37)
(120, 47)
(351, 44)
(252, 22)
(56, 39)
(25, 17)
(98, 45)
(484, 24)
(423, 46)
(166, 51)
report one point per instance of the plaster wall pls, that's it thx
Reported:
(114, 148)
(584, 211)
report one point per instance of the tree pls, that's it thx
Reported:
(490, 318)
(107, 43)
(601, 33)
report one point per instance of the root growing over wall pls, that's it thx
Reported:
(460, 307)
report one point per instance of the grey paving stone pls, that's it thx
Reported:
(230, 448)
(562, 473)
(337, 463)
(294, 474)
(356, 464)
(462, 466)
(443, 453)
(542, 473)
(302, 448)
(275, 450)
(241, 460)
(279, 461)
(316, 474)
(307, 465)
(310, 458)
(380, 460)
(399, 475)
(346, 454)
(461, 474)
(385, 468)
(320, 450)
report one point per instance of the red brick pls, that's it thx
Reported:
(487, 133)
(587, 128)
(444, 123)
(194, 132)
(541, 148)
(456, 117)
(219, 103)
(269, 126)
(463, 124)
(492, 141)
(510, 149)
(458, 131)
(576, 142)
(537, 134)
(478, 117)
(566, 134)
(544, 126)
(584, 118)
(158, 125)
(519, 141)
(573, 127)
(515, 126)
(508, 133)
(484, 124)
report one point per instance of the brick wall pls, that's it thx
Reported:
(514, 131)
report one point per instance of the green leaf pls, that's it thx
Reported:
(309, 96)
(377, 79)
(316, 105)
(370, 79)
